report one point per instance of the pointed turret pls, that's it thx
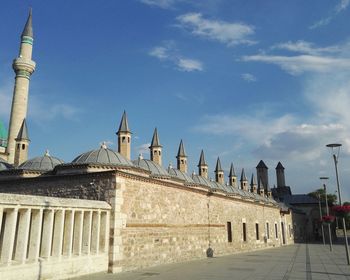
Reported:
(124, 137)
(22, 143)
(28, 28)
(261, 187)
(219, 172)
(24, 67)
(156, 148)
(232, 177)
(244, 181)
(181, 158)
(281, 182)
(253, 184)
(202, 166)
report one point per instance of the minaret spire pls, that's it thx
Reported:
(124, 137)
(181, 158)
(156, 148)
(24, 67)
(28, 28)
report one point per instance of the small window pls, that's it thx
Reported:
(276, 231)
(128, 139)
(182, 161)
(229, 232)
(23, 146)
(290, 231)
(159, 152)
(154, 152)
(244, 232)
(18, 146)
(123, 139)
(267, 231)
(257, 231)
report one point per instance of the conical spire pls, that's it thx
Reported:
(202, 159)
(218, 166)
(279, 165)
(23, 131)
(28, 28)
(155, 139)
(181, 152)
(123, 127)
(243, 177)
(261, 164)
(253, 181)
(232, 171)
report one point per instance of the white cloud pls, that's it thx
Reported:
(341, 6)
(165, 4)
(248, 77)
(308, 48)
(228, 33)
(168, 53)
(303, 63)
(42, 111)
(189, 65)
(159, 52)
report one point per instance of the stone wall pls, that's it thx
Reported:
(154, 221)
(164, 223)
(93, 186)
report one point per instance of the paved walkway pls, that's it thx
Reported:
(299, 261)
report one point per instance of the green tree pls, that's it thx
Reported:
(332, 198)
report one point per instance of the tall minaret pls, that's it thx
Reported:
(23, 66)
(202, 166)
(124, 137)
(181, 158)
(156, 148)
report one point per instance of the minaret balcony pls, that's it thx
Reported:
(23, 64)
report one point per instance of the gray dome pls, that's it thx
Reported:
(103, 156)
(44, 163)
(180, 175)
(154, 168)
(4, 165)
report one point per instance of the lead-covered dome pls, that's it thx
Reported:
(103, 155)
(154, 168)
(44, 163)
(180, 175)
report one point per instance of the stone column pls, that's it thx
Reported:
(9, 235)
(35, 234)
(68, 233)
(46, 238)
(78, 232)
(22, 235)
(95, 232)
(58, 233)
(87, 232)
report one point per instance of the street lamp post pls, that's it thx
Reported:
(335, 148)
(319, 207)
(327, 212)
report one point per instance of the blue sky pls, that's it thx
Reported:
(243, 80)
